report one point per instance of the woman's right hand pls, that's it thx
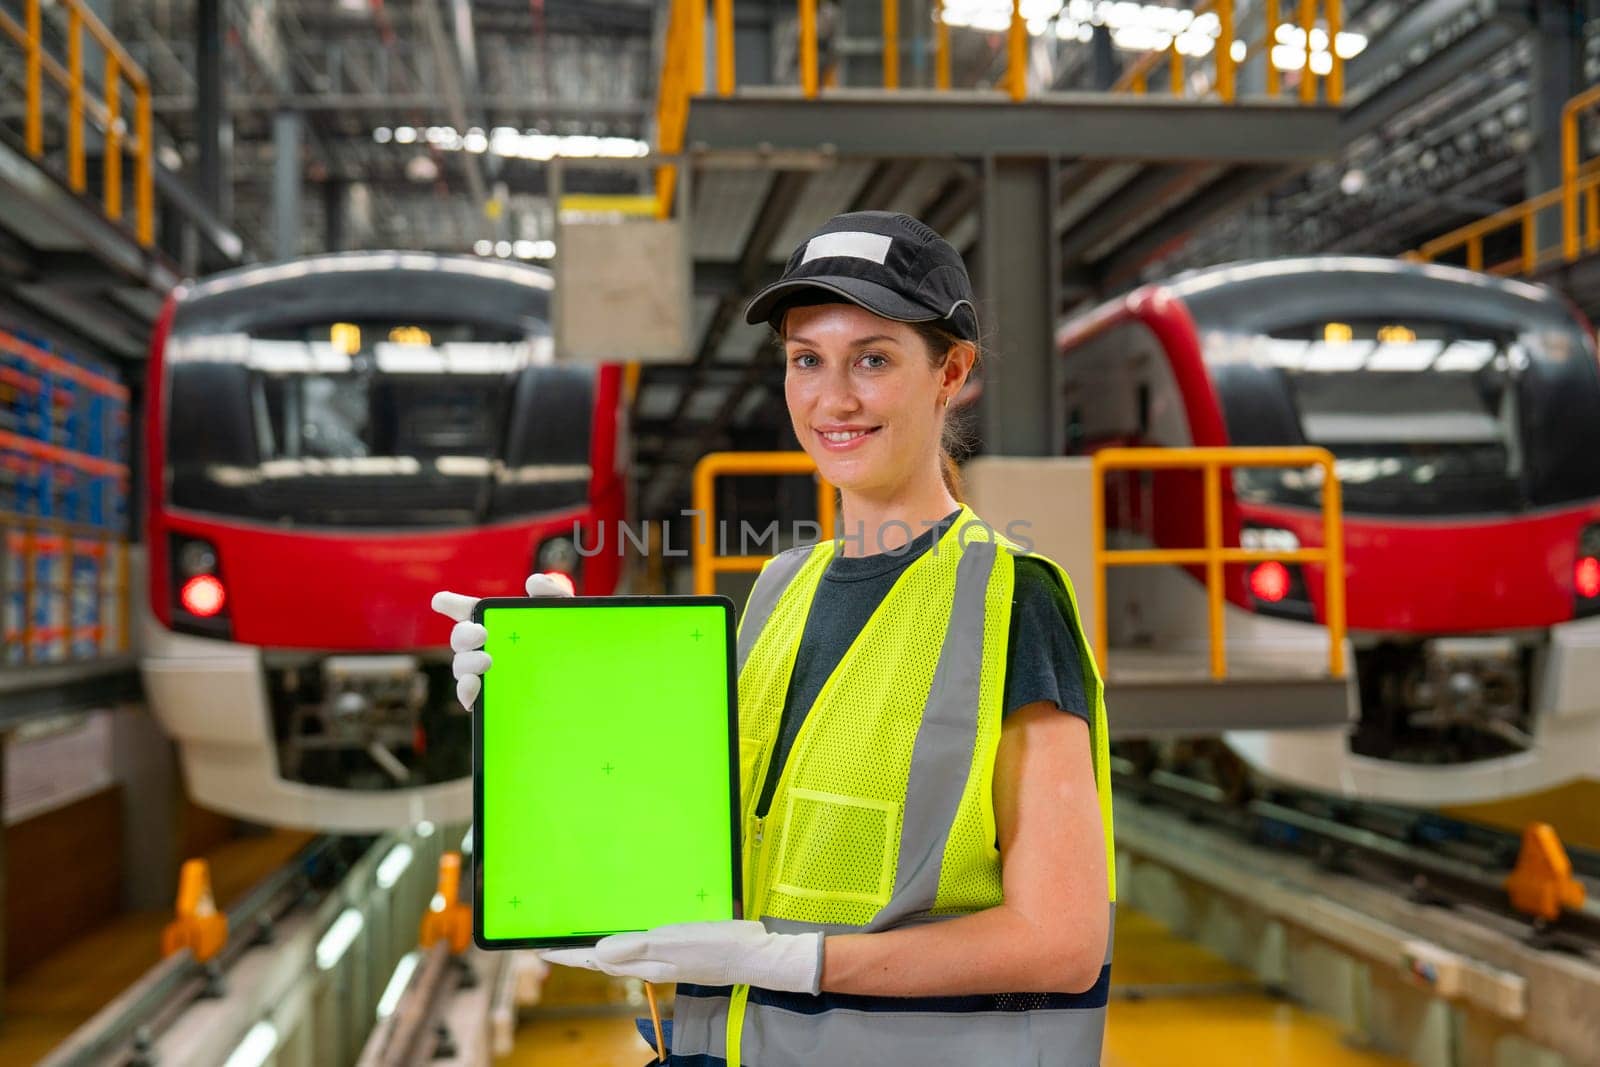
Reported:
(467, 637)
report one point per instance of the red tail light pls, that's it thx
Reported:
(1269, 581)
(1586, 573)
(200, 603)
(1586, 577)
(203, 596)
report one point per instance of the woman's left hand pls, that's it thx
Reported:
(729, 952)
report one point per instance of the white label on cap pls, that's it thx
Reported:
(853, 243)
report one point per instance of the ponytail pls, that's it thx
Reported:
(952, 475)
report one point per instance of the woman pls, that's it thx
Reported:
(923, 754)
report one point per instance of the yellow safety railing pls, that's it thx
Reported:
(1135, 78)
(105, 109)
(683, 73)
(1577, 199)
(682, 76)
(1213, 554)
(707, 563)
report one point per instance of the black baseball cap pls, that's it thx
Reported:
(890, 264)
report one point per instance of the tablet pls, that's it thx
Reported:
(605, 768)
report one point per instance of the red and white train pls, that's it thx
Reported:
(1463, 412)
(328, 442)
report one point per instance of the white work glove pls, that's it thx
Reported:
(467, 637)
(727, 952)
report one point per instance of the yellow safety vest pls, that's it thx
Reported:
(883, 815)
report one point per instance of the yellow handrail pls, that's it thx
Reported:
(106, 113)
(724, 47)
(1014, 78)
(1213, 555)
(1569, 168)
(1585, 184)
(672, 97)
(1135, 77)
(891, 44)
(1578, 179)
(1017, 53)
(708, 564)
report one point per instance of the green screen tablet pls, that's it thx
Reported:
(605, 773)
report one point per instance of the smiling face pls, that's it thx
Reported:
(866, 401)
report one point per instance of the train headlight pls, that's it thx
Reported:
(560, 555)
(1586, 573)
(197, 558)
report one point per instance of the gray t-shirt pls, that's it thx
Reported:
(1042, 660)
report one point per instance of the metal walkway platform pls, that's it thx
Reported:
(1115, 179)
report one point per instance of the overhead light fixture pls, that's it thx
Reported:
(260, 1041)
(340, 936)
(394, 865)
(397, 983)
(421, 169)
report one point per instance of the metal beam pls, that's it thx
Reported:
(724, 279)
(286, 126)
(1416, 26)
(44, 690)
(878, 124)
(1224, 195)
(390, 105)
(1422, 81)
(176, 194)
(89, 315)
(1154, 186)
(454, 93)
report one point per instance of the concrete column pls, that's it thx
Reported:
(144, 765)
(1019, 291)
(286, 132)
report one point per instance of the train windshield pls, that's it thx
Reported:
(363, 423)
(1422, 418)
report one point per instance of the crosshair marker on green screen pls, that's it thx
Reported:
(605, 792)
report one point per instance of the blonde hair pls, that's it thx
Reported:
(954, 437)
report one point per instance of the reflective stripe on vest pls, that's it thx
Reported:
(907, 838)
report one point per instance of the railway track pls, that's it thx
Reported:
(1428, 857)
(127, 1030)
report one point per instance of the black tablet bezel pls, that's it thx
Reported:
(578, 603)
